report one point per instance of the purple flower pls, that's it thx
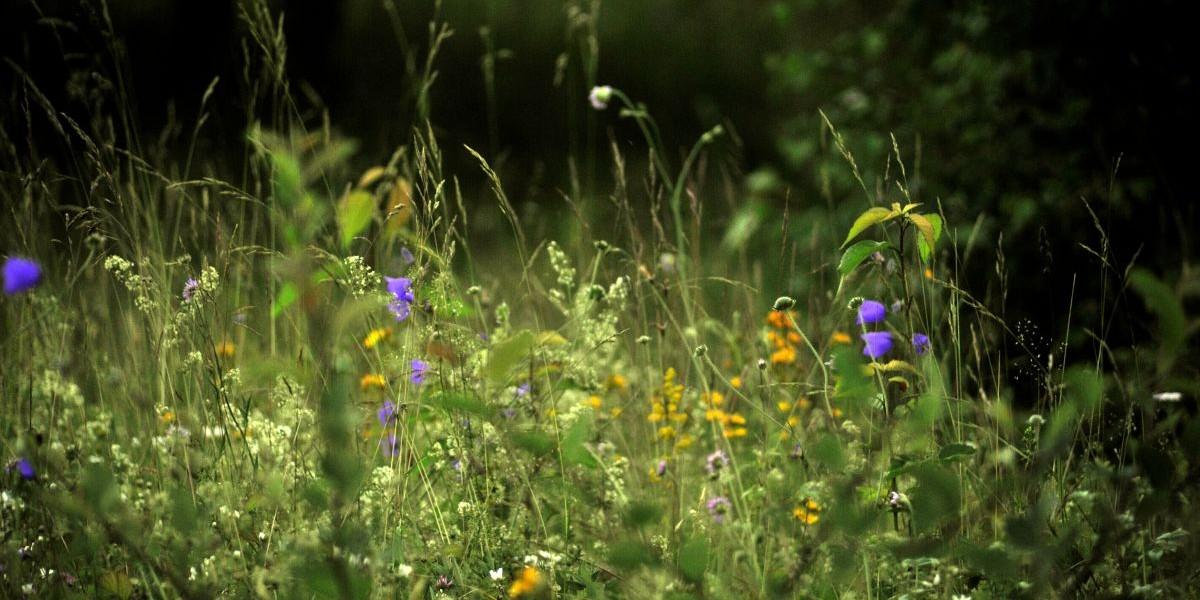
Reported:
(718, 507)
(920, 343)
(870, 311)
(600, 96)
(388, 444)
(406, 255)
(401, 290)
(24, 468)
(661, 469)
(716, 461)
(876, 343)
(443, 583)
(419, 369)
(386, 413)
(523, 389)
(190, 287)
(20, 275)
(509, 413)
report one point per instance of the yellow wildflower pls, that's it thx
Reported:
(735, 382)
(793, 421)
(615, 412)
(684, 441)
(617, 382)
(225, 349)
(167, 417)
(372, 381)
(666, 432)
(840, 337)
(595, 402)
(784, 356)
(809, 513)
(528, 582)
(784, 406)
(928, 273)
(375, 336)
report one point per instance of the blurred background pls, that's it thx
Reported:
(1011, 114)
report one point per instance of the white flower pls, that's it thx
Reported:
(496, 574)
(404, 570)
(599, 96)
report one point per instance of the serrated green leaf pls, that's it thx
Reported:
(871, 216)
(506, 354)
(924, 248)
(355, 212)
(856, 254)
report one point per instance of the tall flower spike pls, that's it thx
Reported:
(870, 311)
(20, 275)
(876, 343)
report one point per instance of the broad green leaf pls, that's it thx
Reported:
(506, 354)
(856, 254)
(354, 214)
(924, 247)
(936, 497)
(289, 184)
(693, 559)
(1172, 322)
(288, 293)
(642, 513)
(573, 450)
(536, 442)
(873, 215)
(924, 226)
(459, 401)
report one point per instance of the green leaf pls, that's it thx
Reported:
(743, 227)
(117, 584)
(873, 215)
(288, 294)
(936, 497)
(924, 247)
(288, 182)
(354, 214)
(693, 559)
(641, 513)
(925, 227)
(954, 451)
(1172, 323)
(458, 401)
(573, 450)
(856, 254)
(536, 442)
(506, 354)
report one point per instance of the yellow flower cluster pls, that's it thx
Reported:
(808, 513)
(665, 409)
(526, 584)
(376, 336)
(225, 349)
(783, 337)
(733, 425)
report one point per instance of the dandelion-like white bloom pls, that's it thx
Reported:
(496, 574)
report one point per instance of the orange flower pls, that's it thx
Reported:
(372, 381)
(528, 582)
(225, 349)
(809, 513)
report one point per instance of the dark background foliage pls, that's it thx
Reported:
(1012, 113)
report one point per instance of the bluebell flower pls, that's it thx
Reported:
(876, 343)
(386, 413)
(20, 275)
(388, 444)
(24, 468)
(419, 369)
(920, 343)
(870, 311)
(406, 255)
(402, 292)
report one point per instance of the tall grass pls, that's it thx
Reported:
(633, 410)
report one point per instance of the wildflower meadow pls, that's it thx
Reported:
(254, 357)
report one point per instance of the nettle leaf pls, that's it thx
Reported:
(354, 214)
(1172, 322)
(923, 246)
(873, 215)
(856, 254)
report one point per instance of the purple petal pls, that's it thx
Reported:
(876, 343)
(920, 343)
(870, 311)
(20, 275)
